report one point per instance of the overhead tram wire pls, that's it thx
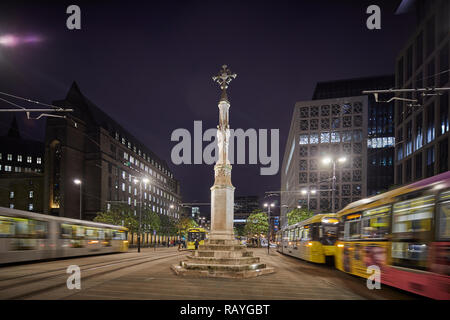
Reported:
(28, 111)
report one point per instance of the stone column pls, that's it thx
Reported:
(222, 192)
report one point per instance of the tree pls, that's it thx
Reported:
(239, 230)
(257, 224)
(168, 225)
(298, 214)
(119, 214)
(150, 220)
(184, 224)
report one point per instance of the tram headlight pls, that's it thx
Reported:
(310, 244)
(340, 245)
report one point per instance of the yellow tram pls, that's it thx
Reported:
(405, 233)
(193, 234)
(312, 239)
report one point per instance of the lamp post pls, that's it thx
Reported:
(145, 180)
(328, 160)
(307, 193)
(78, 182)
(267, 205)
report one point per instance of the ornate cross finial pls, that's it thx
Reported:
(224, 77)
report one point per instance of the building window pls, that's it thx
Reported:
(314, 138)
(303, 139)
(11, 195)
(443, 110)
(29, 159)
(430, 123)
(325, 137)
(19, 158)
(11, 205)
(8, 168)
(399, 174)
(418, 166)
(408, 138)
(408, 170)
(419, 131)
(430, 161)
(30, 207)
(38, 160)
(430, 33)
(9, 157)
(400, 151)
(419, 50)
(443, 155)
(31, 194)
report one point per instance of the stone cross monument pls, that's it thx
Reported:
(222, 192)
(222, 255)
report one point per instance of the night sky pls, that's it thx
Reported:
(149, 65)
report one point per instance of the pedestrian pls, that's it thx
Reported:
(196, 244)
(179, 245)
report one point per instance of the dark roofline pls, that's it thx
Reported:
(356, 79)
(104, 119)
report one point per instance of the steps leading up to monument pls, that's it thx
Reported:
(228, 261)
(223, 254)
(212, 273)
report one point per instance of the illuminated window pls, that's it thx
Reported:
(31, 194)
(11, 195)
(30, 207)
(303, 139)
(38, 160)
(335, 137)
(9, 157)
(314, 138)
(19, 158)
(325, 137)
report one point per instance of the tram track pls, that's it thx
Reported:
(63, 269)
(135, 261)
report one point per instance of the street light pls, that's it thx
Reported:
(267, 205)
(307, 193)
(145, 180)
(78, 182)
(328, 160)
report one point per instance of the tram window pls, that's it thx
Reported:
(40, 229)
(443, 232)
(21, 228)
(91, 234)
(6, 227)
(66, 231)
(291, 235)
(119, 235)
(306, 234)
(352, 227)
(413, 216)
(328, 233)
(375, 223)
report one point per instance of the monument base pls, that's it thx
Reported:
(222, 258)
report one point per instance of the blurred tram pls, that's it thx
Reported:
(405, 232)
(26, 236)
(193, 234)
(312, 239)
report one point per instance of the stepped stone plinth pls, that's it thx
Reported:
(223, 259)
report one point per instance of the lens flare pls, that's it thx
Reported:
(11, 40)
